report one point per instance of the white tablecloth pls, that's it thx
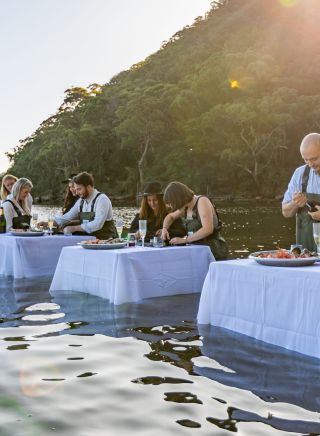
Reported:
(277, 305)
(131, 274)
(32, 256)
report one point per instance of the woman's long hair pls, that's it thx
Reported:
(146, 213)
(3, 190)
(16, 190)
(69, 199)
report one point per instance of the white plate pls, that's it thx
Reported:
(102, 246)
(271, 261)
(26, 233)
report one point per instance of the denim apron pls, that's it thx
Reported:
(107, 231)
(21, 221)
(304, 230)
(215, 241)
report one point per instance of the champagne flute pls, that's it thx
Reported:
(316, 236)
(143, 230)
(50, 223)
(119, 226)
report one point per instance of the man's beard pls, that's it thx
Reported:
(85, 194)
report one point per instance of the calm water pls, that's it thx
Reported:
(74, 364)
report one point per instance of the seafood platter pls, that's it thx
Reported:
(282, 257)
(103, 244)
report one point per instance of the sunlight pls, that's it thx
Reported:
(234, 84)
(288, 3)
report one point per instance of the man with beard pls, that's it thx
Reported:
(93, 211)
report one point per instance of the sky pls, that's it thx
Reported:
(47, 46)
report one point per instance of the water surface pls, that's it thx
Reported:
(75, 364)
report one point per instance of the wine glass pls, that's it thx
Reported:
(316, 236)
(34, 220)
(50, 223)
(143, 230)
(119, 226)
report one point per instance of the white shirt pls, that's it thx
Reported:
(102, 209)
(295, 184)
(9, 211)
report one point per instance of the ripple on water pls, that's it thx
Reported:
(81, 366)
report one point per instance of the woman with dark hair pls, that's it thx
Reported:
(153, 209)
(199, 216)
(71, 196)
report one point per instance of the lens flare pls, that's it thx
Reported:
(288, 3)
(234, 84)
(33, 374)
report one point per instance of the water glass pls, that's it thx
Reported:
(34, 220)
(143, 230)
(157, 242)
(316, 236)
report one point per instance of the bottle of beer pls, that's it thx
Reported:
(3, 224)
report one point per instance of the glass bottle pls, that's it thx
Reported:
(3, 223)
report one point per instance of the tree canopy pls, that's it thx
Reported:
(222, 106)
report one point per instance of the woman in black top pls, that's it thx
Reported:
(154, 210)
(199, 217)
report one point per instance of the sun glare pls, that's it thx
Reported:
(288, 3)
(234, 84)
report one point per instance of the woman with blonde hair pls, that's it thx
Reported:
(6, 185)
(17, 209)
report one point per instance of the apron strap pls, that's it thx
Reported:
(18, 212)
(305, 178)
(81, 205)
(94, 201)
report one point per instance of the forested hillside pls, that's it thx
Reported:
(222, 106)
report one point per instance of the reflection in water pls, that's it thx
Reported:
(220, 366)
(75, 364)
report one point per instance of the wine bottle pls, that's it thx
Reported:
(3, 223)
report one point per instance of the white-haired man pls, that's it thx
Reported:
(302, 198)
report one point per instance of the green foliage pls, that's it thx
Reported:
(222, 106)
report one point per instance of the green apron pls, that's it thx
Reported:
(304, 230)
(20, 221)
(107, 231)
(216, 242)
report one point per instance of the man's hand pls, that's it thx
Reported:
(315, 215)
(69, 229)
(299, 199)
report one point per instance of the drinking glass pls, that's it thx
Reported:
(119, 226)
(131, 240)
(34, 220)
(143, 230)
(50, 223)
(316, 236)
(157, 242)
